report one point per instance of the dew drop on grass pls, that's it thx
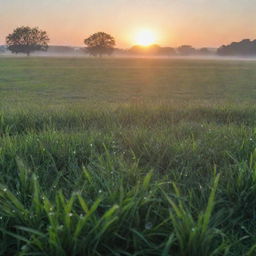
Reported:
(24, 248)
(60, 227)
(148, 225)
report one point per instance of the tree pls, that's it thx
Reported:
(100, 44)
(245, 47)
(186, 50)
(27, 40)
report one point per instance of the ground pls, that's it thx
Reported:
(127, 157)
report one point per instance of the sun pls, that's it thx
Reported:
(145, 37)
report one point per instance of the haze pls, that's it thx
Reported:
(175, 22)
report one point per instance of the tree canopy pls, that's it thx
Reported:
(100, 44)
(27, 40)
(186, 50)
(245, 47)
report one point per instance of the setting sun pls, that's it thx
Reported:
(145, 37)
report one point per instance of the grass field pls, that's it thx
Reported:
(127, 157)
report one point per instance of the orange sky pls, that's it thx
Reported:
(175, 22)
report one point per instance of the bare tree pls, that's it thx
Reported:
(100, 44)
(27, 40)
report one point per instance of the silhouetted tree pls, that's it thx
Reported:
(27, 40)
(245, 47)
(100, 44)
(186, 50)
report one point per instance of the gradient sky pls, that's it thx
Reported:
(175, 22)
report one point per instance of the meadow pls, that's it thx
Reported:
(127, 157)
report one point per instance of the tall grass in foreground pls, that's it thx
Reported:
(136, 221)
(128, 181)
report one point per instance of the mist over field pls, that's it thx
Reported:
(136, 52)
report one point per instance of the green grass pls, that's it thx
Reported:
(65, 81)
(127, 157)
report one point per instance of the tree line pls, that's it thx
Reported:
(27, 40)
(184, 50)
(245, 47)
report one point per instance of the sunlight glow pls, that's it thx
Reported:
(145, 37)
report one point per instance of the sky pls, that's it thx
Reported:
(200, 23)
